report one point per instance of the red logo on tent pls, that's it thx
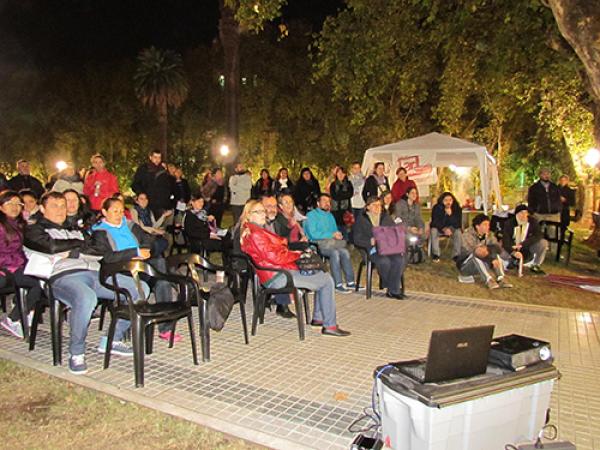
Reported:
(413, 168)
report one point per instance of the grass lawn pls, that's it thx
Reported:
(441, 278)
(44, 412)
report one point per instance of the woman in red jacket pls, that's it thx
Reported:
(269, 250)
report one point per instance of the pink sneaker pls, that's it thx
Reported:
(166, 336)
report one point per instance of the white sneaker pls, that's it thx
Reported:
(13, 328)
(467, 279)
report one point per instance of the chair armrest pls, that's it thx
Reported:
(288, 276)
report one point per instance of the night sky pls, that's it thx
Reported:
(74, 32)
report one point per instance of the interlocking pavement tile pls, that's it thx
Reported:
(292, 389)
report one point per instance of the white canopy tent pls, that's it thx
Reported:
(422, 155)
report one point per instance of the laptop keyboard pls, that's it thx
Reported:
(417, 372)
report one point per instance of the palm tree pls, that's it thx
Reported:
(160, 83)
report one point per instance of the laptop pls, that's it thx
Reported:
(455, 353)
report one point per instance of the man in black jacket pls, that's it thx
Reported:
(24, 180)
(543, 198)
(153, 179)
(78, 286)
(522, 239)
(567, 198)
(446, 220)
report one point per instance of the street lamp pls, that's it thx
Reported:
(592, 157)
(224, 150)
(61, 165)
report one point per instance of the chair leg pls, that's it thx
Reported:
(109, 340)
(3, 302)
(102, 314)
(39, 309)
(360, 269)
(149, 330)
(137, 335)
(172, 337)
(190, 320)
(21, 303)
(298, 306)
(369, 279)
(56, 319)
(569, 244)
(306, 306)
(204, 331)
(243, 317)
(256, 313)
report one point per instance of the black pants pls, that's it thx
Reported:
(390, 268)
(34, 292)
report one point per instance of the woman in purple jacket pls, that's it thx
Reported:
(12, 258)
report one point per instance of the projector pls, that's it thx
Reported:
(516, 352)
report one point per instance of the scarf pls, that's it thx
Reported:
(374, 218)
(144, 215)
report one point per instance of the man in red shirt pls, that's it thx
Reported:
(402, 184)
(99, 183)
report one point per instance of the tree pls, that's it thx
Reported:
(229, 34)
(579, 22)
(160, 83)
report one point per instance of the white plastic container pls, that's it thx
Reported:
(482, 423)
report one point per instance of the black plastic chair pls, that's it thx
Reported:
(142, 314)
(262, 293)
(370, 266)
(57, 313)
(19, 299)
(553, 233)
(193, 262)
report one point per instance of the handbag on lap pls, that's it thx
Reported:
(390, 240)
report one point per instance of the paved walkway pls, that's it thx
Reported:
(283, 393)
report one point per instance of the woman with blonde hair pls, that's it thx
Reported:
(271, 251)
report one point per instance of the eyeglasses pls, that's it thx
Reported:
(16, 204)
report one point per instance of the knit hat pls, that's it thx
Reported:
(520, 208)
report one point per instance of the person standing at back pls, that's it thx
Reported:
(377, 183)
(240, 189)
(153, 179)
(402, 185)
(543, 198)
(99, 183)
(24, 180)
(358, 183)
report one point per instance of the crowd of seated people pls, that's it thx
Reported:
(277, 220)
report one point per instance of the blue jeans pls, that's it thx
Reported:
(80, 291)
(339, 259)
(321, 284)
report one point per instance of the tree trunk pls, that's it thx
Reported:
(229, 34)
(579, 23)
(162, 131)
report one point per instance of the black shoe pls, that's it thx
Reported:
(537, 270)
(314, 323)
(337, 331)
(435, 258)
(284, 311)
(395, 296)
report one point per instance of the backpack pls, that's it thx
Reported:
(220, 304)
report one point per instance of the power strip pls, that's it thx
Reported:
(555, 445)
